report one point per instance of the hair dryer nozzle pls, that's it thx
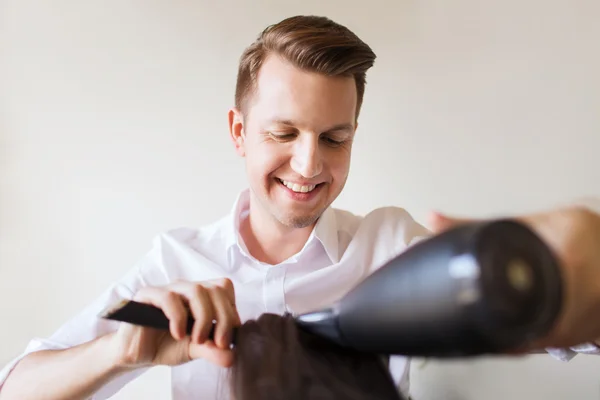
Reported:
(323, 323)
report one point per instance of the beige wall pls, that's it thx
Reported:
(113, 128)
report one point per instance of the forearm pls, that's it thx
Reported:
(75, 373)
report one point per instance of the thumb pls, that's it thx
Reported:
(440, 222)
(210, 352)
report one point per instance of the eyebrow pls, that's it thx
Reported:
(338, 127)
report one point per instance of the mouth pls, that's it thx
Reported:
(296, 188)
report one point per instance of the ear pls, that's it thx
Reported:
(236, 130)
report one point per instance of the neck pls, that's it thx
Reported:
(268, 240)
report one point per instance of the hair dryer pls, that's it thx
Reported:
(482, 288)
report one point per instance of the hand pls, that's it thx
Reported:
(137, 346)
(573, 233)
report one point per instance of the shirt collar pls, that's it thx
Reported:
(238, 212)
(325, 230)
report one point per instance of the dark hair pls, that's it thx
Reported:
(276, 360)
(311, 43)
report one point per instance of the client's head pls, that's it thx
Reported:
(274, 359)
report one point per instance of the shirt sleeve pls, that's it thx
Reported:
(567, 354)
(399, 368)
(86, 325)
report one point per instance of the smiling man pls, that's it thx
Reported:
(283, 248)
(295, 129)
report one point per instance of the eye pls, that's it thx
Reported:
(282, 137)
(332, 142)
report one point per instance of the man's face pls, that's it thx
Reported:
(296, 137)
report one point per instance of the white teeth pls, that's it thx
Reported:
(298, 188)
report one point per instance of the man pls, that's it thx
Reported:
(283, 248)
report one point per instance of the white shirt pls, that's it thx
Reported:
(342, 250)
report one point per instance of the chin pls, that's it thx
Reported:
(294, 220)
(302, 222)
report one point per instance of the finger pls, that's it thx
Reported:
(172, 305)
(225, 316)
(440, 222)
(204, 314)
(229, 291)
(210, 352)
(201, 307)
(553, 338)
(227, 285)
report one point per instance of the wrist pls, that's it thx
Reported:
(114, 355)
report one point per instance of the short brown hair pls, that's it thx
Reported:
(274, 359)
(311, 43)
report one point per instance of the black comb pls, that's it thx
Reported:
(136, 313)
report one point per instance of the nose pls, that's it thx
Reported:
(306, 159)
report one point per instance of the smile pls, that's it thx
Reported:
(298, 188)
